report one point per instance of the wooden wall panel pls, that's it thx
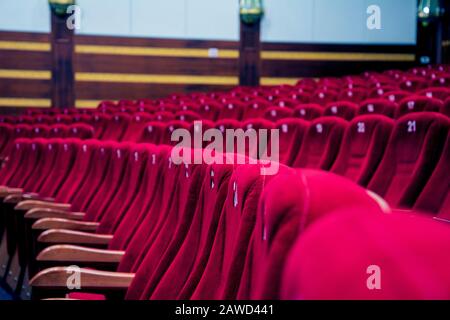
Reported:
(105, 59)
(155, 65)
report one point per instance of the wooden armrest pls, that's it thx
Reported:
(41, 204)
(30, 196)
(90, 279)
(52, 213)
(10, 191)
(58, 223)
(75, 237)
(13, 198)
(62, 253)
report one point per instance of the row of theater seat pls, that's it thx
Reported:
(162, 230)
(144, 227)
(8, 133)
(363, 150)
(257, 109)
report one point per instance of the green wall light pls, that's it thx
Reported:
(251, 11)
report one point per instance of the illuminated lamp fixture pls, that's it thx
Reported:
(59, 7)
(251, 11)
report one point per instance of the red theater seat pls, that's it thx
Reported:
(435, 197)
(232, 109)
(413, 84)
(153, 132)
(276, 113)
(446, 107)
(417, 104)
(396, 96)
(372, 255)
(308, 111)
(291, 133)
(255, 109)
(378, 106)
(321, 143)
(411, 155)
(342, 109)
(363, 147)
(437, 93)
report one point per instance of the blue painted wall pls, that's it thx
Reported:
(311, 21)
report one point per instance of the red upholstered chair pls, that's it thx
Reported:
(59, 131)
(435, 197)
(44, 119)
(276, 113)
(323, 97)
(164, 116)
(363, 147)
(308, 111)
(446, 107)
(24, 119)
(291, 131)
(290, 204)
(410, 158)
(378, 106)
(223, 269)
(321, 143)
(341, 109)
(188, 116)
(81, 131)
(40, 131)
(256, 151)
(413, 84)
(441, 81)
(136, 126)
(63, 119)
(353, 95)
(6, 134)
(153, 132)
(437, 93)
(188, 265)
(171, 126)
(396, 96)
(255, 109)
(380, 91)
(417, 104)
(117, 127)
(232, 109)
(209, 110)
(368, 245)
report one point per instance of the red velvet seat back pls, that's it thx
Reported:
(66, 154)
(417, 104)
(321, 143)
(363, 147)
(365, 244)
(166, 245)
(84, 152)
(308, 111)
(133, 175)
(188, 265)
(95, 174)
(112, 182)
(227, 257)
(291, 133)
(276, 113)
(153, 132)
(342, 109)
(435, 197)
(378, 106)
(232, 110)
(148, 196)
(411, 155)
